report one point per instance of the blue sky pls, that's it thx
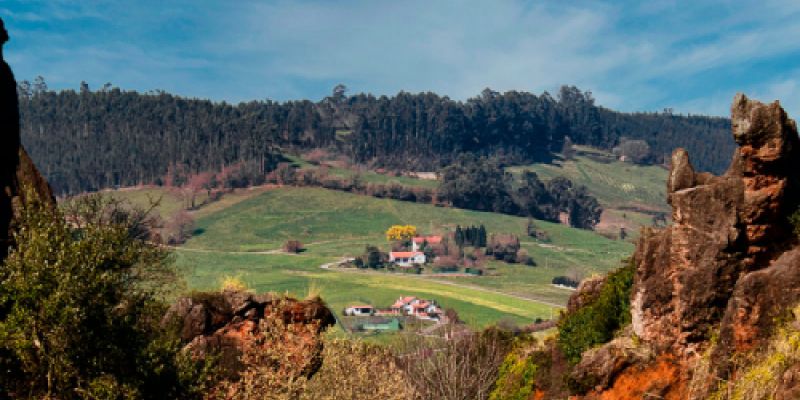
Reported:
(692, 56)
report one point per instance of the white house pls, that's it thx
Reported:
(422, 309)
(407, 258)
(417, 242)
(359, 310)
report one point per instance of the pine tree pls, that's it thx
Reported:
(482, 236)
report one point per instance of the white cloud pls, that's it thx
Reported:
(634, 56)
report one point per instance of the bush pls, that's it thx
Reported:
(293, 246)
(596, 322)
(359, 371)
(565, 281)
(464, 367)
(517, 375)
(80, 308)
(794, 219)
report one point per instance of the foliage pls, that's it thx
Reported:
(233, 283)
(293, 246)
(794, 219)
(482, 184)
(80, 310)
(596, 322)
(474, 236)
(635, 151)
(401, 232)
(112, 131)
(517, 375)
(504, 247)
(565, 281)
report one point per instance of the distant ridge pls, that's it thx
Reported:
(89, 140)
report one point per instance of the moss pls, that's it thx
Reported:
(517, 375)
(762, 369)
(596, 322)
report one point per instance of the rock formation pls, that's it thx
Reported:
(231, 322)
(18, 175)
(727, 267)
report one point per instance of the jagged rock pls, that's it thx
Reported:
(226, 323)
(587, 292)
(660, 378)
(789, 387)
(729, 263)
(759, 299)
(599, 367)
(723, 227)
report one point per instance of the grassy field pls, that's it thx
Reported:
(240, 240)
(241, 234)
(615, 184)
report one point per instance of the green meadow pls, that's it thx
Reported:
(241, 235)
(243, 241)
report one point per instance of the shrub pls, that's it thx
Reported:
(517, 374)
(794, 219)
(464, 367)
(80, 308)
(596, 322)
(565, 281)
(293, 246)
(359, 371)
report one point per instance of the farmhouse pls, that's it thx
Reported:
(422, 309)
(417, 242)
(407, 258)
(359, 310)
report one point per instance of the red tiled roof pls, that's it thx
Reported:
(404, 254)
(429, 239)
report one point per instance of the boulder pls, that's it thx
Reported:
(230, 322)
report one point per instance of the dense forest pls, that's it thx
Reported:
(86, 140)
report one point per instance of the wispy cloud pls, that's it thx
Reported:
(632, 55)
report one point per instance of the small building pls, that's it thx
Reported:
(359, 310)
(422, 309)
(406, 258)
(417, 242)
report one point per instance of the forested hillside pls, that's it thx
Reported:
(88, 140)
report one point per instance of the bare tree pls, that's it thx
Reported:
(464, 367)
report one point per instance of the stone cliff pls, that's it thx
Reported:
(231, 323)
(18, 175)
(717, 281)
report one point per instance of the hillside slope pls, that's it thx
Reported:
(99, 139)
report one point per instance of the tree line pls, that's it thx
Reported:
(87, 140)
(480, 183)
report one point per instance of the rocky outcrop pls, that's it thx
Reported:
(587, 291)
(18, 175)
(229, 323)
(728, 266)
(724, 228)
